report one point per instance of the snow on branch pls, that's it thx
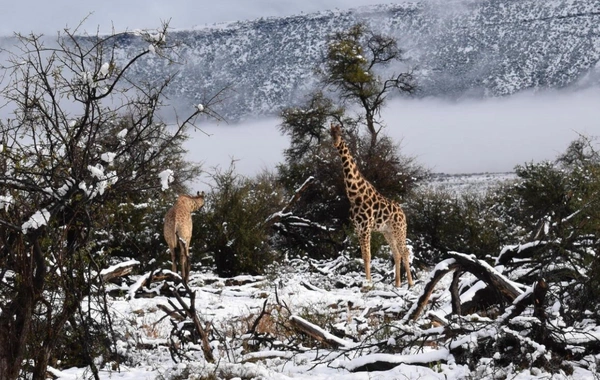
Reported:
(382, 362)
(166, 178)
(510, 251)
(5, 201)
(276, 217)
(105, 180)
(118, 270)
(40, 218)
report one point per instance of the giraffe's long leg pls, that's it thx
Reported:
(364, 236)
(170, 236)
(389, 237)
(173, 258)
(405, 255)
(183, 249)
(185, 263)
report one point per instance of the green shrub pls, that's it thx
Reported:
(440, 221)
(234, 223)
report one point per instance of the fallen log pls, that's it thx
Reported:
(319, 334)
(254, 357)
(116, 271)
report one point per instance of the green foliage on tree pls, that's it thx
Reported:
(352, 69)
(304, 125)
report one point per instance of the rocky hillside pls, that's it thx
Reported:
(459, 48)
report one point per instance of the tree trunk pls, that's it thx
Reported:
(15, 321)
(54, 326)
(16, 316)
(370, 118)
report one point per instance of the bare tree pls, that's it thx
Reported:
(81, 134)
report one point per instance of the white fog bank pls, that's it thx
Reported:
(492, 135)
(469, 136)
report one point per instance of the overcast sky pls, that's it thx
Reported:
(48, 17)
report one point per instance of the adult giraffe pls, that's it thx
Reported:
(178, 230)
(371, 211)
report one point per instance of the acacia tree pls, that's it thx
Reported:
(353, 60)
(81, 136)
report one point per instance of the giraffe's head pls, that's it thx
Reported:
(197, 201)
(336, 134)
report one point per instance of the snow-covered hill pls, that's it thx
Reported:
(458, 48)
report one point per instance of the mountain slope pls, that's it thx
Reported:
(461, 48)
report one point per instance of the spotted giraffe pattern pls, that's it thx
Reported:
(178, 230)
(371, 211)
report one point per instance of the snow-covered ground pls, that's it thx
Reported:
(329, 294)
(231, 309)
(457, 183)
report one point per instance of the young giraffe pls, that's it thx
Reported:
(178, 230)
(371, 211)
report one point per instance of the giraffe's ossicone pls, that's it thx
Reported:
(178, 230)
(371, 211)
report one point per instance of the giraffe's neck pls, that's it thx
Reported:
(189, 204)
(356, 184)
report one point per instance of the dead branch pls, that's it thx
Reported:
(257, 320)
(486, 273)
(190, 311)
(142, 288)
(521, 251)
(439, 272)
(539, 297)
(276, 217)
(464, 263)
(456, 308)
(175, 314)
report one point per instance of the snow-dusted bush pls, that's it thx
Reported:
(234, 225)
